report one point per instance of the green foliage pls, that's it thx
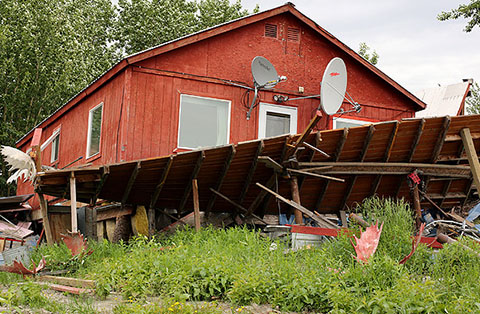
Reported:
(470, 12)
(363, 50)
(238, 265)
(473, 101)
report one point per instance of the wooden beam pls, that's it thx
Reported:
(270, 163)
(467, 194)
(318, 139)
(349, 168)
(161, 182)
(472, 156)
(73, 202)
(243, 209)
(305, 173)
(221, 178)
(316, 149)
(46, 221)
(320, 220)
(338, 151)
(188, 189)
(447, 184)
(260, 196)
(131, 182)
(82, 283)
(416, 205)
(253, 167)
(363, 154)
(386, 157)
(457, 137)
(441, 139)
(413, 148)
(103, 179)
(306, 132)
(196, 204)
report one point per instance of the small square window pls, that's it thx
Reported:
(204, 122)
(94, 130)
(276, 120)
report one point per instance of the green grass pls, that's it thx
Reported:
(237, 266)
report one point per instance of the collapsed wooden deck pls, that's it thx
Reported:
(371, 159)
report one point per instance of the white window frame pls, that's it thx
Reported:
(89, 133)
(202, 97)
(286, 110)
(353, 121)
(55, 137)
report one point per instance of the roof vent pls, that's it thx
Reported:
(271, 30)
(293, 34)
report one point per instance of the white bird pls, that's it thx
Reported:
(20, 161)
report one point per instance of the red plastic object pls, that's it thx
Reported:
(415, 242)
(368, 242)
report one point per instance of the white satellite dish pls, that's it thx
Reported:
(264, 73)
(334, 86)
(264, 77)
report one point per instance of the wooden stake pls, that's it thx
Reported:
(296, 199)
(416, 205)
(73, 202)
(196, 204)
(46, 221)
(471, 155)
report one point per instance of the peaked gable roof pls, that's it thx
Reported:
(211, 32)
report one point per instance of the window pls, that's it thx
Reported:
(55, 146)
(204, 122)
(94, 130)
(293, 34)
(271, 30)
(340, 123)
(276, 120)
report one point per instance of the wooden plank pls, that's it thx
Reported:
(320, 220)
(338, 151)
(446, 185)
(131, 182)
(243, 209)
(318, 139)
(222, 176)
(457, 137)
(315, 149)
(270, 163)
(471, 155)
(366, 144)
(114, 212)
(256, 202)
(343, 218)
(74, 282)
(188, 189)
(416, 205)
(161, 182)
(45, 219)
(385, 158)
(73, 202)
(441, 139)
(196, 204)
(253, 167)
(305, 173)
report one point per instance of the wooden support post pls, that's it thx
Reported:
(73, 202)
(416, 205)
(306, 132)
(253, 167)
(194, 174)
(196, 204)
(131, 182)
(222, 176)
(343, 218)
(471, 155)
(296, 199)
(46, 221)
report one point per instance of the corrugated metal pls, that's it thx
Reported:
(443, 100)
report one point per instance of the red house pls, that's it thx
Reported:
(188, 93)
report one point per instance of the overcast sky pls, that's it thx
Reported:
(415, 49)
